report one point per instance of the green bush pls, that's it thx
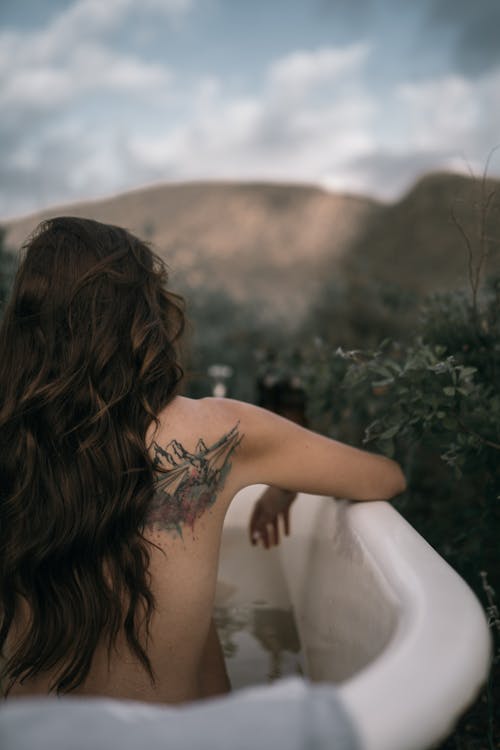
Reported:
(429, 396)
(433, 402)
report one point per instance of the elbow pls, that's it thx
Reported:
(388, 482)
(396, 482)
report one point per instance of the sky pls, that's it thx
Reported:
(360, 96)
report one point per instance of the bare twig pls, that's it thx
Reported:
(470, 253)
(475, 269)
(485, 441)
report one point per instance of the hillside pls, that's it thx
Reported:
(262, 265)
(272, 243)
(261, 245)
(416, 243)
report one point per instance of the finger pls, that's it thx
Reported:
(276, 530)
(271, 532)
(286, 521)
(264, 537)
(257, 533)
(254, 523)
(269, 535)
(251, 524)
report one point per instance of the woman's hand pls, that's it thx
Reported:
(264, 522)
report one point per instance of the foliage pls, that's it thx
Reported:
(440, 387)
(433, 402)
(429, 396)
(432, 395)
(225, 332)
(359, 312)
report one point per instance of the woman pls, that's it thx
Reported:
(113, 488)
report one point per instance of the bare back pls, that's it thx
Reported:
(184, 525)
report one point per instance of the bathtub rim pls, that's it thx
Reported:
(432, 597)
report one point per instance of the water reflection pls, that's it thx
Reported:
(260, 642)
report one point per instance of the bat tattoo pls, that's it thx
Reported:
(192, 481)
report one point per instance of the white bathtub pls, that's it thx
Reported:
(378, 611)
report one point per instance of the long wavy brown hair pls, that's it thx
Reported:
(89, 355)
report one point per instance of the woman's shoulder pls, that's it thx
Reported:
(209, 411)
(212, 421)
(189, 421)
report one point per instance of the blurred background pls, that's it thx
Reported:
(295, 163)
(322, 180)
(361, 96)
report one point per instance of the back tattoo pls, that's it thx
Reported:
(192, 481)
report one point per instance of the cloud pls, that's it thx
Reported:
(69, 160)
(94, 17)
(439, 112)
(68, 78)
(450, 123)
(46, 67)
(346, 139)
(89, 67)
(296, 74)
(453, 112)
(80, 22)
(284, 133)
(309, 109)
(474, 31)
(82, 118)
(386, 174)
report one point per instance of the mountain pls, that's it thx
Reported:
(262, 264)
(259, 244)
(271, 248)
